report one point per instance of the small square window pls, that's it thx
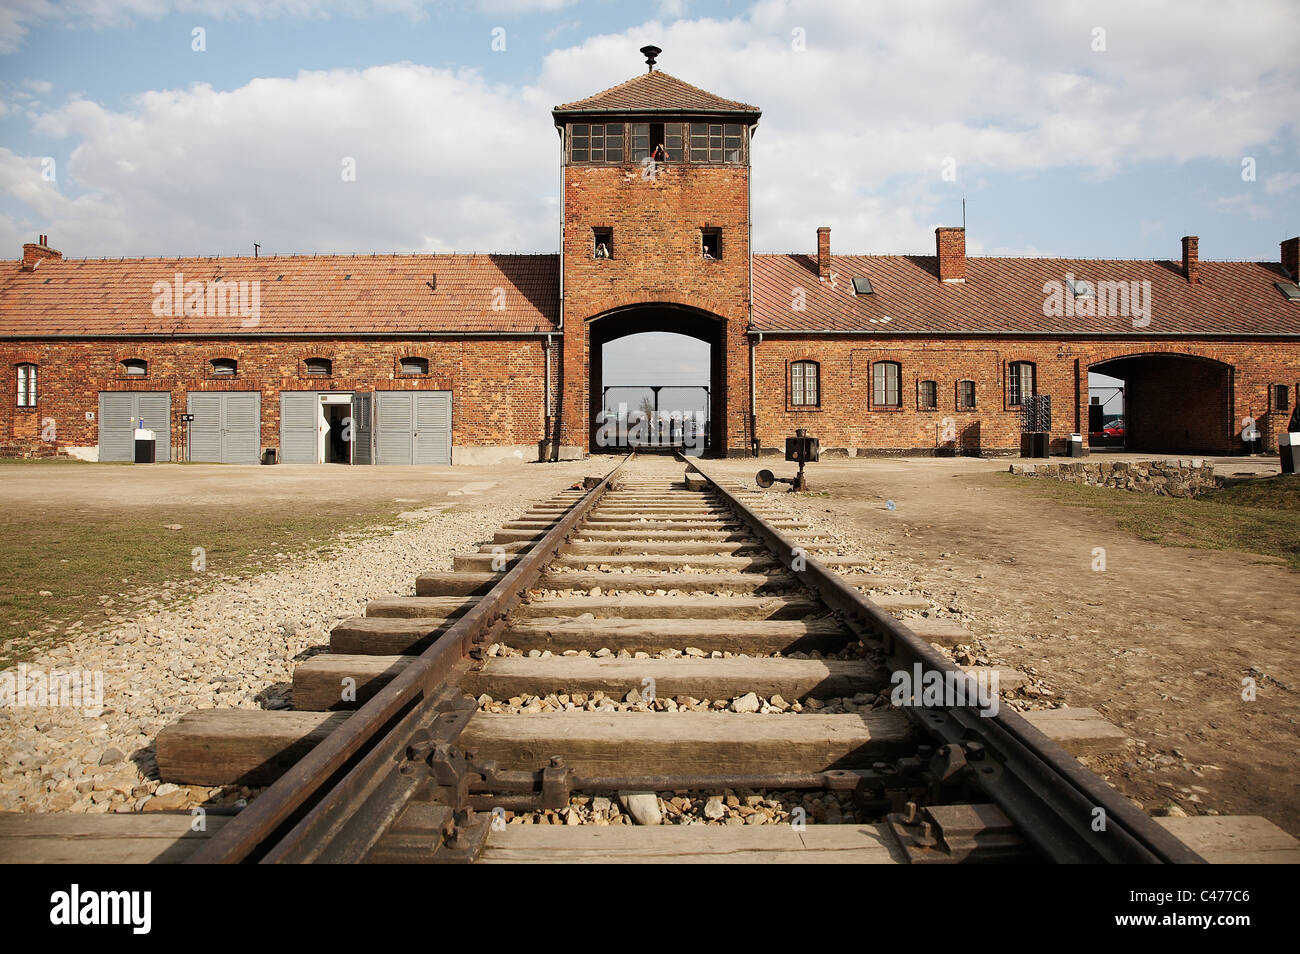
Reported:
(602, 241)
(862, 286)
(224, 367)
(1290, 290)
(712, 244)
(135, 367)
(319, 366)
(415, 365)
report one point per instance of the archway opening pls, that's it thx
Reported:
(1161, 403)
(657, 381)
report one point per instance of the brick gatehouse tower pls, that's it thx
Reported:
(656, 245)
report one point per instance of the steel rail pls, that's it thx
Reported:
(1044, 790)
(337, 768)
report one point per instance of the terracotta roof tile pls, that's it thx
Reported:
(1006, 296)
(299, 295)
(655, 92)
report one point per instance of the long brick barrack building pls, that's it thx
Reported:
(399, 359)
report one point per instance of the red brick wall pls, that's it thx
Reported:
(657, 258)
(847, 419)
(496, 383)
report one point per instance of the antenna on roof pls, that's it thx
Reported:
(650, 53)
(963, 213)
(255, 249)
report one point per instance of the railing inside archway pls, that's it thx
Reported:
(652, 424)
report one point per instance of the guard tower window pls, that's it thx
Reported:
(647, 136)
(716, 142)
(596, 142)
(711, 242)
(602, 243)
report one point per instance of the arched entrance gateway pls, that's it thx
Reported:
(1174, 403)
(627, 410)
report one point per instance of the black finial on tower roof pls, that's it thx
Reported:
(650, 52)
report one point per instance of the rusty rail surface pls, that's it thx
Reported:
(1046, 792)
(312, 804)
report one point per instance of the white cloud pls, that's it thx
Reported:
(18, 17)
(1280, 182)
(853, 135)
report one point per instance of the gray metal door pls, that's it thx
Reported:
(361, 428)
(121, 412)
(432, 437)
(227, 426)
(413, 427)
(299, 411)
(393, 427)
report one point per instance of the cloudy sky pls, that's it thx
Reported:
(1097, 129)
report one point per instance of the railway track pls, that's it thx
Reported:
(650, 646)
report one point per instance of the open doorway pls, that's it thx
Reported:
(1168, 403)
(335, 447)
(656, 393)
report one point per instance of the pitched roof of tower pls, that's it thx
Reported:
(655, 92)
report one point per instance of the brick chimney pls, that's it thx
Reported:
(1191, 260)
(34, 252)
(950, 247)
(1291, 257)
(824, 252)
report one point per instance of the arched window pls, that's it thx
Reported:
(320, 366)
(224, 367)
(927, 396)
(1021, 382)
(805, 384)
(135, 367)
(26, 385)
(415, 365)
(966, 395)
(885, 376)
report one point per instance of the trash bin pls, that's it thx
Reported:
(1076, 445)
(1288, 447)
(146, 445)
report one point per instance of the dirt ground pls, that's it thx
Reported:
(1159, 642)
(41, 484)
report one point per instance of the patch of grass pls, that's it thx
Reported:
(1258, 516)
(129, 556)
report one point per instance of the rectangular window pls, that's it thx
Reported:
(731, 142)
(1281, 397)
(613, 142)
(1020, 382)
(602, 243)
(927, 397)
(711, 244)
(966, 395)
(26, 385)
(673, 141)
(885, 384)
(804, 385)
(647, 137)
(580, 142)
